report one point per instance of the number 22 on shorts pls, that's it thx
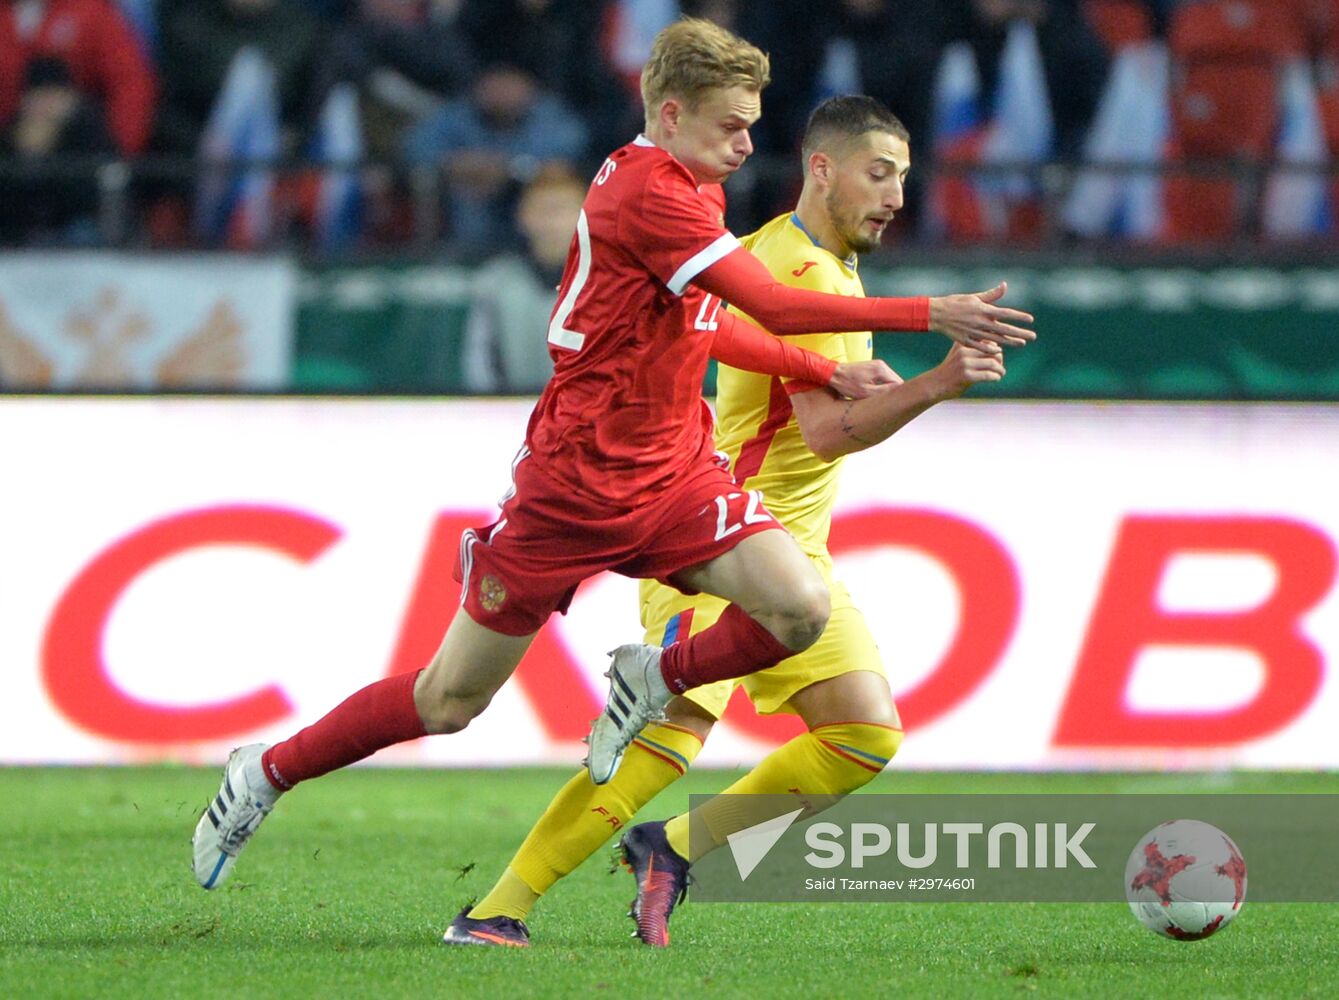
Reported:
(728, 519)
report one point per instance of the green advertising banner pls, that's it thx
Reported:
(382, 329)
(1104, 332)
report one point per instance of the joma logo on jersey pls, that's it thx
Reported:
(492, 595)
(804, 267)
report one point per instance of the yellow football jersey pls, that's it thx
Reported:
(756, 427)
(754, 422)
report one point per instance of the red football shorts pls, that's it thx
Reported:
(527, 564)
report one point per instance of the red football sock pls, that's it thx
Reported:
(380, 715)
(735, 646)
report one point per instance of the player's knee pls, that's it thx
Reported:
(802, 616)
(881, 713)
(880, 740)
(871, 745)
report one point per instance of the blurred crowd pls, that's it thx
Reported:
(368, 124)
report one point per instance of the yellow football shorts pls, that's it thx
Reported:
(845, 646)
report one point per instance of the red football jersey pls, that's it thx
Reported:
(623, 414)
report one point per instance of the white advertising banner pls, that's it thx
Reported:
(1051, 585)
(118, 321)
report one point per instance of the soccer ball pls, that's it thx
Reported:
(1185, 879)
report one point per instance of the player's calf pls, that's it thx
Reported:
(468, 669)
(448, 715)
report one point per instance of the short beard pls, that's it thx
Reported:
(857, 243)
(863, 244)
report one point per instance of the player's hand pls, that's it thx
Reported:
(966, 366)
(976, 321)
(858, 379)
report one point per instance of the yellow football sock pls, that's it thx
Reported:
(511, 896)
(815, 768)
(584, 815)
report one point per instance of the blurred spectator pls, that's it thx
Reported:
(503, 132)
(235, 204)
(200, 41)
(559, 43)
(1131, 126)
(1160, 12)
(104, 59)
(54, 118)
(506, 344)
(885, 48)
(331, 11)
(404, 56)
(627, 33)
(142, 17)
(1073, 57)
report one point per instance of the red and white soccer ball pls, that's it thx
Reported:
(1185, 879)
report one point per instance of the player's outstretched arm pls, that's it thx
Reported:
(975, 319)
(742, 280)
(740, 344)
(833, 427)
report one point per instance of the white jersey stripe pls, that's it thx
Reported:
(521, 456)
(700, 261)
(468, 538)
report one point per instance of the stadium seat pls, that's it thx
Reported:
(1202, 209)
(1226, 57)
(1119, 22)
(954, 194)
(1003, 201)
(1315, 21)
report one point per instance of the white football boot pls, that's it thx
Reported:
(637, 695)
(244, 800)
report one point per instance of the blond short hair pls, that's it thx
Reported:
(693, 56)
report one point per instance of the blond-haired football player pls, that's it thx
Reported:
(619, 469)
(785, 438)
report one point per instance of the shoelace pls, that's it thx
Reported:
(642, 713)
(641, 716)
(248, 815)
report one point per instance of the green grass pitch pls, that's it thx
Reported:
(346, 890)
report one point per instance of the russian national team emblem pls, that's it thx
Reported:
(492, 595)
